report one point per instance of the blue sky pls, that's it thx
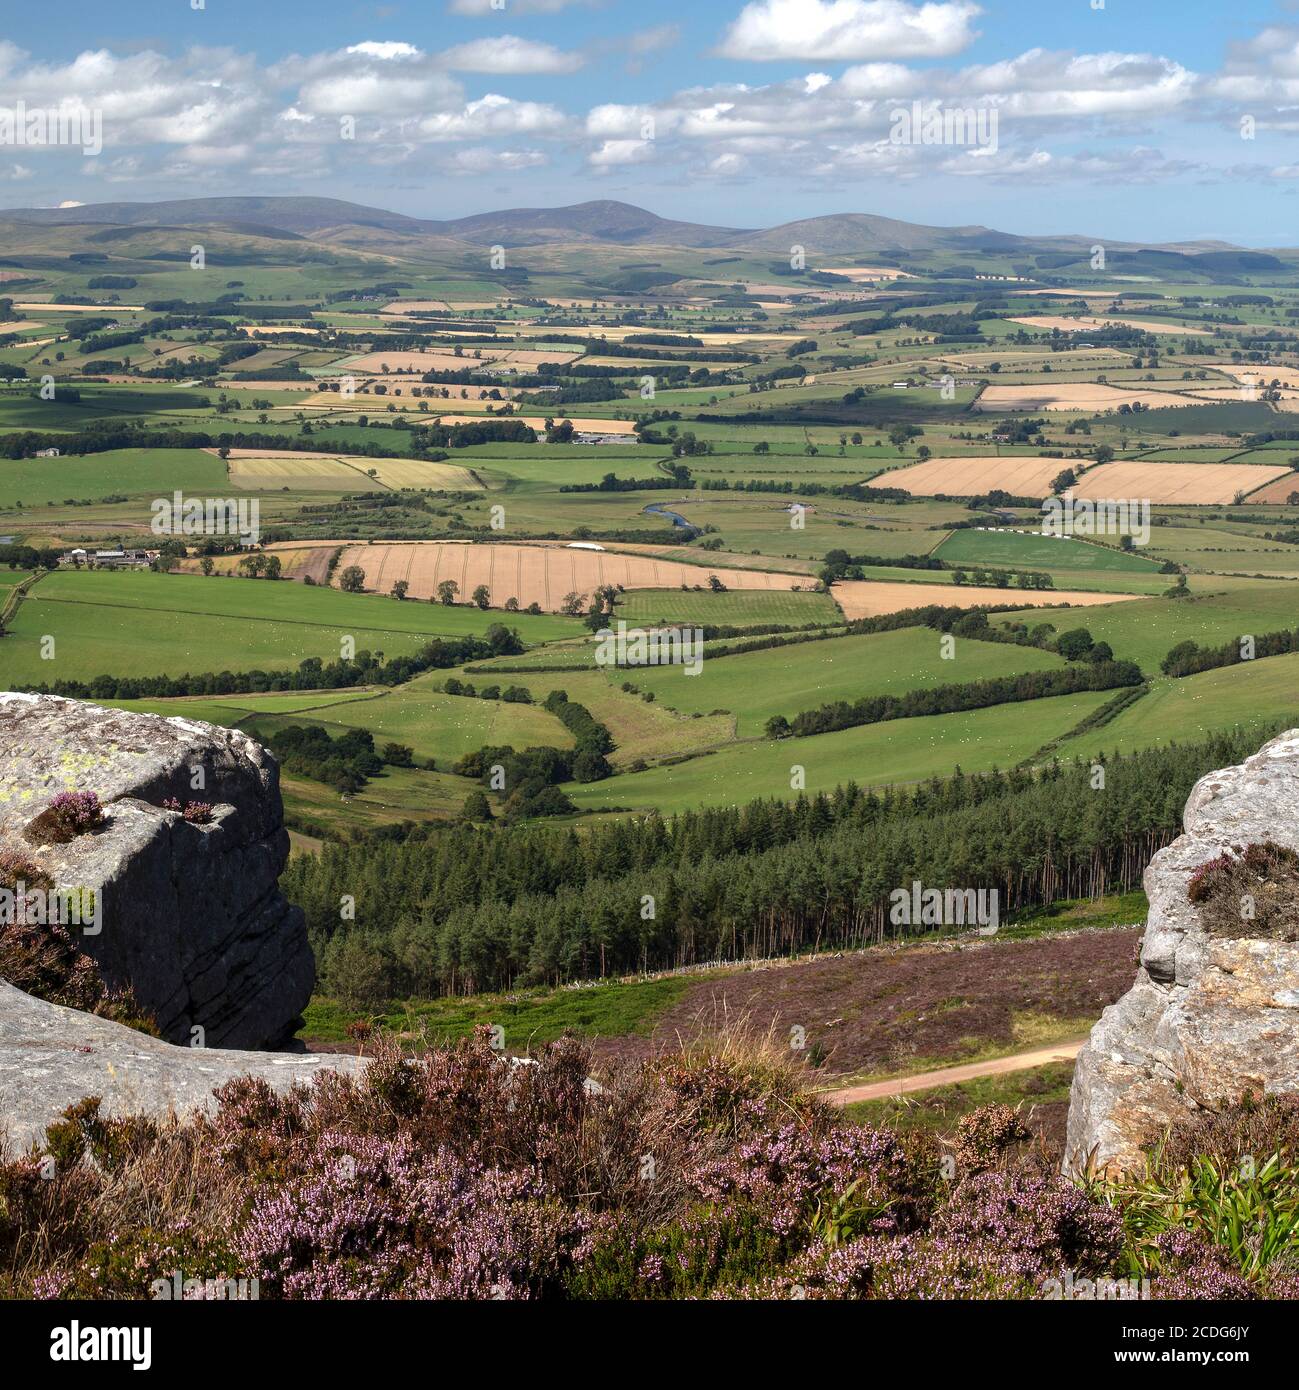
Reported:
(1141, 119)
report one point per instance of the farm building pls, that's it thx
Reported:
(47, 453)
(112, 559)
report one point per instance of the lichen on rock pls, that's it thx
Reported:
(1214, 1011)
(192, 920)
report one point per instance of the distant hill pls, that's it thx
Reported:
(605, 222)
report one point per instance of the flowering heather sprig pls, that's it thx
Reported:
(70, 814)
(195, 812)
(1201, 882)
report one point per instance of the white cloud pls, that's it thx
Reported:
(493, 115)
(487, 7)
(613, 153)
(384, 50)
(845, 30)
(479, 160)
(507, 54)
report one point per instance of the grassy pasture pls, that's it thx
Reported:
(1242, 696)
(132, 472)
(400, 794)
(1144, 630)
(435, 725)
(141, 624)
(1020, 550)
(899, 751)
(737, 608)
(785, 680)
(648, 730)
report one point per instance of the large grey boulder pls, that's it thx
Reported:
(52, 1057)
(1212, 1014)
(192, 918)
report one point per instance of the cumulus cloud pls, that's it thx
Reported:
(508, 54)
(221, 117)
(487, 7)
(384, 50)
(493, 115)
(481, 160)
(845, 30)
(613, 153)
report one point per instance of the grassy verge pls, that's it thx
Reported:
(611, 1010)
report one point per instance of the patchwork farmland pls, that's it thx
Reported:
(882, 623)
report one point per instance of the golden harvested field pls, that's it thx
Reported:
(267, 470)
(427, 362)
(1264, 376)
(533, 573)
(1071, 294)
(1080, 325)
(298, 475)
(79, 308)
(416, 306)
(867, 598)
(1074, 395)
(301, 387)
(375, 362)
(1243, 391)
(1278, 492)
(1194, 484)
(868, 272)
(969, 477)
(297, 559)
(618, 332)
(271, 330)
(538, 422)
(1024, 359)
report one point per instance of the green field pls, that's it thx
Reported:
(400, 794)
(528, 1019)
(142, 624)
(438, 726)
(1020, 550)
(1254, 693)
(231, 711)
(641, 729)
(739, 608)
(1145, 630)
(132, 472)
(897, 752)
(786, 680)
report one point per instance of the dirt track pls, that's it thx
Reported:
(950, 1076)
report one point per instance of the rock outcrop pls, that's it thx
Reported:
(191, 915)
(1214, 1012)
(51, 1057)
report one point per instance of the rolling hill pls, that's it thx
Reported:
(603, 221)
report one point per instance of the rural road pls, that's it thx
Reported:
(949, 1076)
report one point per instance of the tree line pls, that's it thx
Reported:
(459, 909)
(1189, 658)
(951, 699)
